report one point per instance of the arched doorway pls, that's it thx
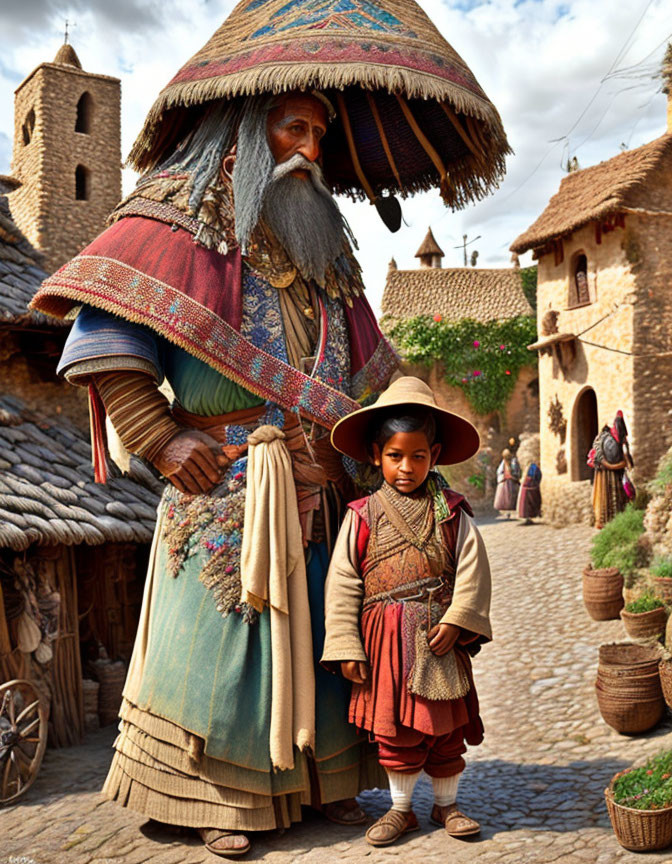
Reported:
(585, 429)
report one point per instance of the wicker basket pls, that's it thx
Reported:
(112, 677)
(628, 658)
(629, 715)
(603, 593)
(90, 690)
(644, 625)
(637, 687)
(639, 830)
(665, 670)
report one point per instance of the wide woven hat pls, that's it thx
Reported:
(410, 113)
(458, 437)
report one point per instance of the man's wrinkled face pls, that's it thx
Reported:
(296, 126)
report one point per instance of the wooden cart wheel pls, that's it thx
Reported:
(23, 737)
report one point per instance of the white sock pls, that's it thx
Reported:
(445, 789)
(401, 789)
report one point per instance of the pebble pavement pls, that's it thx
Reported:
(536, 784)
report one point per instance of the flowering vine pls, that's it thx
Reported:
(482, 359)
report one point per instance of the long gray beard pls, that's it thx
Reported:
(303, 215)
(300, 212)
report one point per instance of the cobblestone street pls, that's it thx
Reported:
(536, 784)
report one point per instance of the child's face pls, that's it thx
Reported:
(405, 460)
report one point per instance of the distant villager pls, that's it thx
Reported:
(508, 483)
(610, 458)
(529, 496)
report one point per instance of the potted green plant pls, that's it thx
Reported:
(645, 617)
(639, 802)
(661, 571)
(615, 553)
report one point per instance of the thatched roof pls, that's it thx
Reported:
(21, 275)
(429, 246)
(595, 193)
(455, 293)
(47, 493)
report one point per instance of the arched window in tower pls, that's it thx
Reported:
(82, 183)
(84, 112)
(579, 292)
(28, 127)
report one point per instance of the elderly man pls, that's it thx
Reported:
(221, 692)
(228, 275)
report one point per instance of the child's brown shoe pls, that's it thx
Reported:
(390, 827)
(455, 822)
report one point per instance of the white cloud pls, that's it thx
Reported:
(539, 61)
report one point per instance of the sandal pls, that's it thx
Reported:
(390, 827)
(455, 822)
(345, 812)
(212, 836)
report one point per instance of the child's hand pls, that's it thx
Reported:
(442, 638)
(355, 671)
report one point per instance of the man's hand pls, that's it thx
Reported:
(442, 638)
(192, 461)
(355, 671)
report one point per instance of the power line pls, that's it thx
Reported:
(565, 137)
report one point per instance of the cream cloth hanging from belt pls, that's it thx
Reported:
(273, 574)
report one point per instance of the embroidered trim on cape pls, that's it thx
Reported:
(122, 290)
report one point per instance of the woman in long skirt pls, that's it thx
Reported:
(508, 483)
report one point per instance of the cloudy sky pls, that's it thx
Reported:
(569, 77)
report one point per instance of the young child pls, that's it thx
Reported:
(408, 590)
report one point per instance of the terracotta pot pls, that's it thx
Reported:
(662, 585)
(639, 830)
(603, 593)
(645, 625)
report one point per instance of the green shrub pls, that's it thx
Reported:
(663, 477)
(648, 787)
(662, 568)
(645, 603)
(616, 545)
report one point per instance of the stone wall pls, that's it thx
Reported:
(564, 503)
(607, 322)
(45, 207)
(649, 246)
(32, 377)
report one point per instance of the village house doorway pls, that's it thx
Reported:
(584, 431)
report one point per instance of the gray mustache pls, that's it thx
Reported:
(296, 163)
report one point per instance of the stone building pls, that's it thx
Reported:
(604, 306)
(67, 156)
(456, 293)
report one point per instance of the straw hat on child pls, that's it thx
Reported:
(459, 439)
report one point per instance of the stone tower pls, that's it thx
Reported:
(67, 155)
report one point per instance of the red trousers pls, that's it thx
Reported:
(409, 752)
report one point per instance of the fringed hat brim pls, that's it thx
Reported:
(418, 116)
